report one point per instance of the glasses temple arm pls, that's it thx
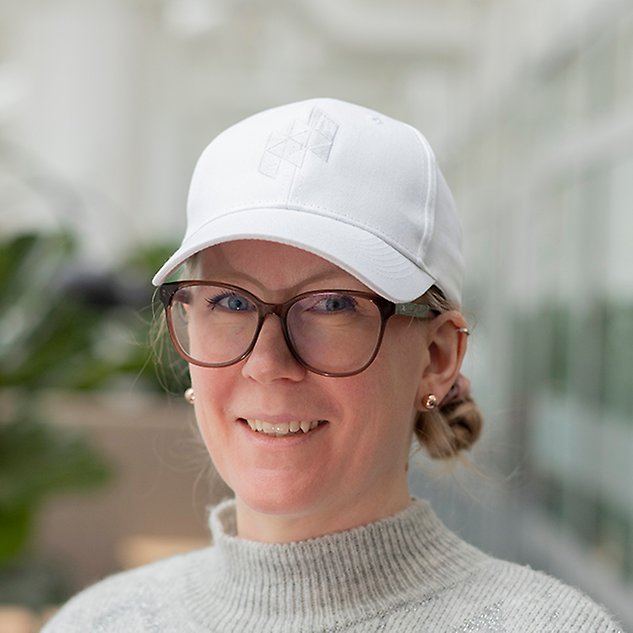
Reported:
(415, 310)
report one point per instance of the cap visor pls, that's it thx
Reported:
(356, 250)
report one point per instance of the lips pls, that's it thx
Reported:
(283, 429)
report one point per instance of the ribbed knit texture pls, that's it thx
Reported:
(404, 573)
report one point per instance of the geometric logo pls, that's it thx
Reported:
(300, 137)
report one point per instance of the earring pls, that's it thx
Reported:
(190, 396)
(430, 402)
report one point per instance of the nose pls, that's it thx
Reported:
(270, 359)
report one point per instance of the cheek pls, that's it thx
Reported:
(385, 395)
(212, 388)
(377, 429)
(405, 359)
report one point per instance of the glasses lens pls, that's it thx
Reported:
(334, 333)
(212, 324)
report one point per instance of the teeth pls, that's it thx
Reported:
(279, 429)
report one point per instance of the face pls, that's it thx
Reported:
(351, 468)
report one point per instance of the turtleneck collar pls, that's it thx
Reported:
(322, 581)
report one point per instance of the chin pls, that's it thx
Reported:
(286, 498)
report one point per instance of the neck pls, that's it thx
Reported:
(273, 527)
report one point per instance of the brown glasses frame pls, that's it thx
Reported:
(386, 308)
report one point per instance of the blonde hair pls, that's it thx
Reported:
(449, 430)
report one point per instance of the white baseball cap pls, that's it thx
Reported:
(351, 185)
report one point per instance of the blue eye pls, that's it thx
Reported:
(232, 302)
(335, 304)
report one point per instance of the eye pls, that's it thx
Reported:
(231, 302)
(332, 304)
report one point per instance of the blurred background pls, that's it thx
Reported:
(105, 106)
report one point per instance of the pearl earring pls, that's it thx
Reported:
(190, 396)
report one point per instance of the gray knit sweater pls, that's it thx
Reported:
(403, 573)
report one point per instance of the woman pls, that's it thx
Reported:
(319, 313)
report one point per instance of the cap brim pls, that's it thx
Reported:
(375, 263)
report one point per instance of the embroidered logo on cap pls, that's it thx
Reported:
(292, 145)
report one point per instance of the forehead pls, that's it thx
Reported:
(271, 266)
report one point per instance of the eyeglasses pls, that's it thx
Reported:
(329, 332)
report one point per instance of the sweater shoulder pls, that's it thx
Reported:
(128, 601)
(523, 600)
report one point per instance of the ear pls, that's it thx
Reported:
(446, 350)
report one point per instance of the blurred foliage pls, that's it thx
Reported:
(62, 327)
(64, 461)
(65, 328)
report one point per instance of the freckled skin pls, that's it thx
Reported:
(352, 470)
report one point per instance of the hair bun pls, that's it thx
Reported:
(448, 431)
(465, 421)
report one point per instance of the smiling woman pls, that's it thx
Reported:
(320, 316)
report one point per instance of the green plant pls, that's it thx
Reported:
(64, 331)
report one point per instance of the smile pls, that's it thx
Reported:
(281, 429)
